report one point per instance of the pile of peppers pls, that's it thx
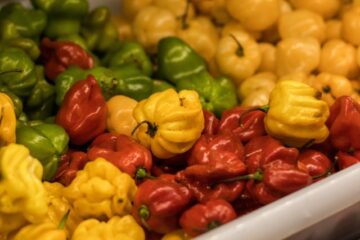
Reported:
(100, 137)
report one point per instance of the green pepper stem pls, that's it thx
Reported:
(63, 220)
(11, 71)
(152, 128)
(213, 224)
(257, 176)
(240, 51)
(142, 173)
(144, 214)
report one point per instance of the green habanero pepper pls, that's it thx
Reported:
(160, 86)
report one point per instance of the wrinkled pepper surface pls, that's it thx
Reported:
(211, 123)
(41, 231)
(7, 120)
(317, 164)
(345, 159)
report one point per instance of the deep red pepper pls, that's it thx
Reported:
(345, 160)
(159, 202)
(245, 203)
(124, 152)
(201, 218)
(83, 112)
(215, 157)
(243, 122)
(59, 55)
(344, 124)
(211, 123)
(316, 163)
(70, 163)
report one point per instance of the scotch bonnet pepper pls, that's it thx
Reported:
(83, 112)
(317, 164)
(169, 123)
(41, 231)
(7, 120)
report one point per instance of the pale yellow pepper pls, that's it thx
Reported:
(22, 195)
(326, 8)
(101, 191)
(177, 7)
(176, 235)
(41, 231)
(124, 28)
(215, 9)
(130, 8)
(238, 56)
(7, 120)
(351, 25)
(235, 26)
(169, 122)
(117, 228)
(333, 29)
(256, 15)
(302, 23)
(296, 114)
(153, 23)
(339, 57)
(255, 90)
(120, 118)
(295, 76)
(297, 55)
(331, 86)
(268, 57)
(356, 90)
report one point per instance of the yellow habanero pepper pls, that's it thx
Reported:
(169, 123)
(176, 235)
(339, 57)
(351, 25)
(235, 26)
(326, 8)
(302, 23)
(295, 76)
(124, 228)
(101, 191)
(7, 120)
(254, 14)
(130, 8)
(41, 231)
(331, 86)
(297, 55)
(153, 23)
(124, 28)
(22, 195)
(120, 118)
(296, 114)
(238, 56)
(178, 7)
(333, 29)
(255, 90)
(268, 57)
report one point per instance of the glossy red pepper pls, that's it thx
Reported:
(243, 122)
(245, 203)
(344, 124)
(211, 123)
(201, 218)
(83, 112)
(70, 163)
(345, 160)
(124, 152)
(59, 55)
(317, 164)
(159, 202)
(215, 157)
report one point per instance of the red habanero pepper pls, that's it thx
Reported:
(344, 124)
(201, 218)
(215, 157)
(70, 163)
(83, 112)
(316, 163)
(59, 55)
(159, 202)
(345, 159)
(245, 203)
(124, 152)
(244, 122)
(211, 123)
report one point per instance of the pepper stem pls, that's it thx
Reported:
(11, 71)
(144, 214)
(213, 224)
(240, 51)
(257, 176)
(142, 173)
(63, 220)
(152, 128)
(184, 23)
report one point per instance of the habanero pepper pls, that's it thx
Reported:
(201, 218)
(58, 55)
(211, 125)
(124, 152)
(346, 159)
(7, 120)
(317, 164)
(83, 112)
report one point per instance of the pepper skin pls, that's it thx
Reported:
(7, 120)
(70, 163)
(124, 152)
(41, 231)
(124, 228)
(211, 123)
(169, 122)
(83, 112)
(296, 115)
(345, 160)
(326, 8)
(201, 218)
(46, 142)
(23, 197)
(58, 55)
(317, 164)
(101, 191)
(245, 125)
(159, 202)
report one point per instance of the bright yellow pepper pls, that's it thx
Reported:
(339, 57)
(238, 56)
(7, 120)
(295, 76)
(153, 23)
(268, 57)
(101, 191)
(255, 90)
(235, 26)
(254, 14)
(124, 228)
(333, 29)
(177, 7)
(216, 9)
(176, 235)
(351, 25)
(169, 122)
(296, 114)
(326, 8)
(124, 28)
(22, 195)
(120, 118)
(41, 231)
(302, 23)
(297, 55)
(331, 86)
(130, 8)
